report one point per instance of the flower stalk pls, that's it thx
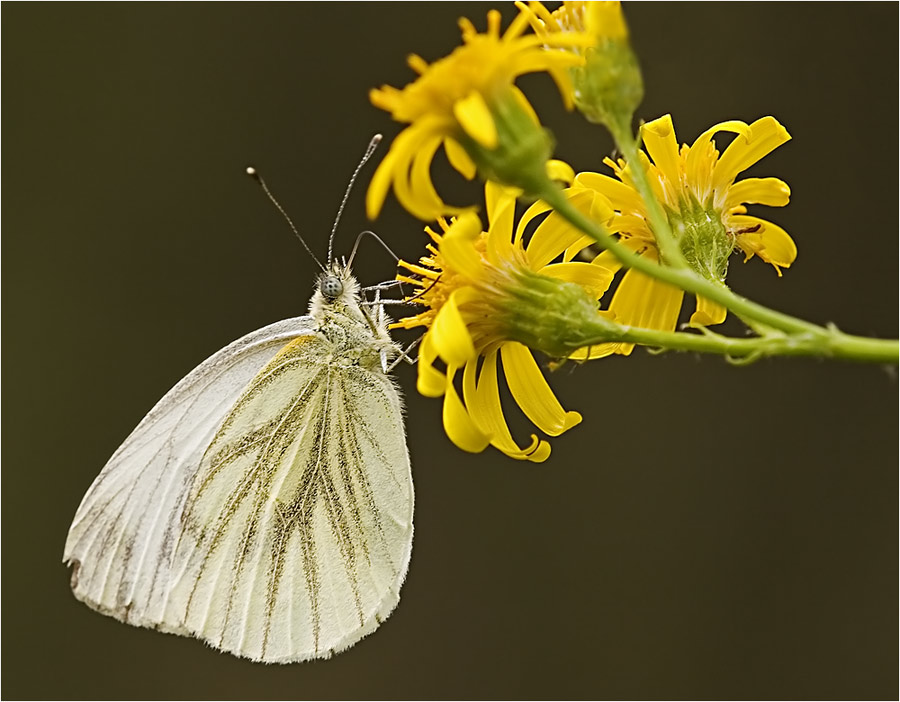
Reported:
(830, 343)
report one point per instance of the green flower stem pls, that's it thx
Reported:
(683, 278)
(831, 342)
(659, 223)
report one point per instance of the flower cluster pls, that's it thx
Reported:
(491, 296)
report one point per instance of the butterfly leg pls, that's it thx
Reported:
(383, 303)
(379, 321)
(377, 305)
(387, 285)
(404, 356)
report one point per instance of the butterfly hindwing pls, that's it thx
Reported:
(298, 528)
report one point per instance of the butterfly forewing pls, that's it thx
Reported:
(122, 538)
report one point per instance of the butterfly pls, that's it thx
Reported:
(265, 504)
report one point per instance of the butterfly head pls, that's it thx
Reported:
(336, 293)
(336, 286)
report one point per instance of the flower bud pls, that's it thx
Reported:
(518, 155)
(607, 87)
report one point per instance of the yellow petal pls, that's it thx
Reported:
(430, 381)
(576, 248)
(458, 425)
(659, 140)
(594, 279)
(516, 28)
(475, 118)
(449, 333)
(522, 102)
(541, 59)
(601, 209)
(645, 302)
(708, 312)
(501, 213)
(483, 402)
(653, 173)
(633, 225)
(385, 98)
(538, 16)
(417, 63)
(379, 185)
(459, 159)
(561, 40)
(494, 20)
(768, 241)
(422, 192)
(457, 246)
(536, 209)
(605, 19)
(411, 175)
(414, 188)
(560, 171)
(758, 191)
(702, 155)
(563, 79)
(554, 235)
(532, 393)
(621, 196)
(467, 28)
(497, 200)
(590, 353)
(396, 165)
(766, 134)
(607, 260)
(733, 126)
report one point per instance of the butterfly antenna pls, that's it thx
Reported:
(251, 171)
(378, 239)
(369, 151)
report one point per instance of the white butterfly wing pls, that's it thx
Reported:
(272, 520)
(298, 529)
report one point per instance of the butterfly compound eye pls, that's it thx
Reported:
(331, 287)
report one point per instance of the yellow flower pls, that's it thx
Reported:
(488, 296)
(463, 102)
(608, 86)
(706, 210)
(602, 19)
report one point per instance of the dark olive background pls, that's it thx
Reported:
(708, 531)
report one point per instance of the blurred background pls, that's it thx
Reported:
(708, 531)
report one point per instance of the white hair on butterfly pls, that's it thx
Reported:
(265, 504)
